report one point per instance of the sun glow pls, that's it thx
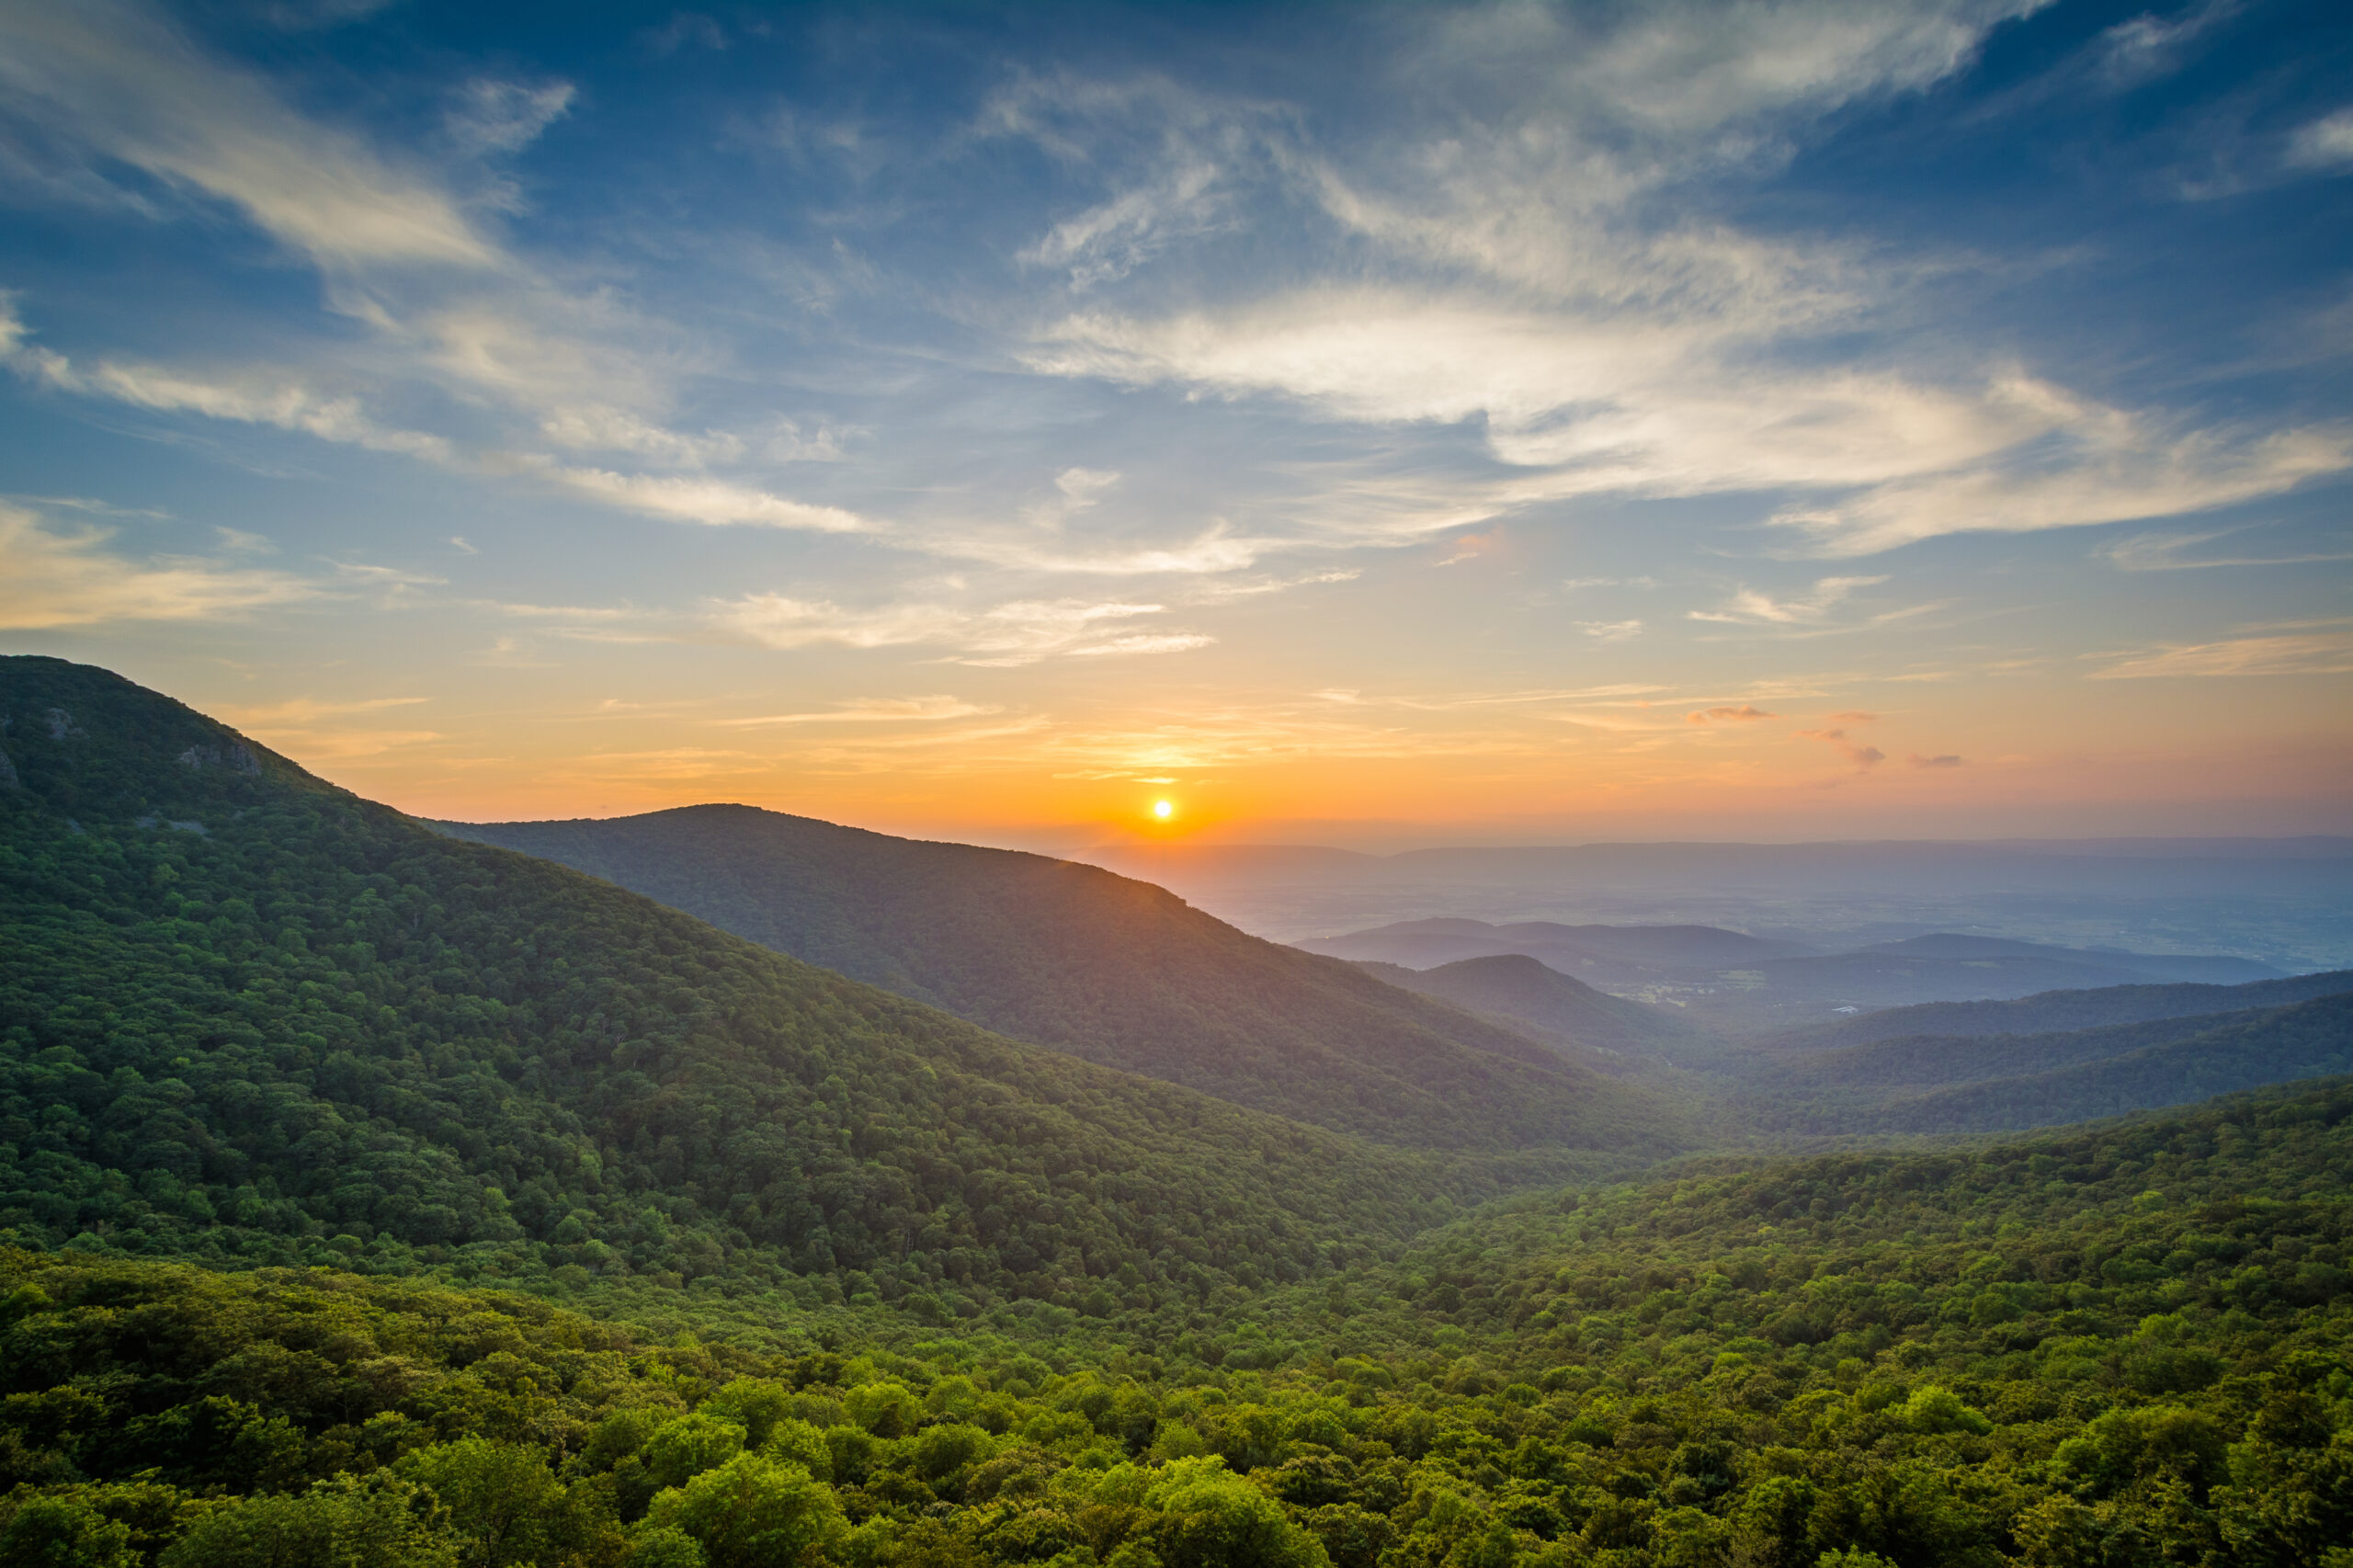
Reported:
(1163, 810)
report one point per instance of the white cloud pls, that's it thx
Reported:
(129, 87)
(251, 395)
(309, 709)
(605, 429)
(2305, 648)
(1524, 264)
(1664, 407)
(2170, 552)
(2327, 142)
(504, 116)
(55, 578)
(1751, 606)
(873, 711)
(1018, 632)
(711, 501)
(1142, 642)
(2111, 469)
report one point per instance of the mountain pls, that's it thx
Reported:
(2209, 970)
(1621, 953)
(2000, 1082)
(1738, 984)
(2121, 1344)
(2310, 1039)
(246, 1014)
(1517, 987)
(1115, 970)
(1913, 1061)
(2055, 1011)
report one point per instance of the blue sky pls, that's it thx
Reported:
(1549, 420)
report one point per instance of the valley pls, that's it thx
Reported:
(718, 1187)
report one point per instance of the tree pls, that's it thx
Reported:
(381, 1522)
(501, 1497)
(1212, 1518)
(752, 1512)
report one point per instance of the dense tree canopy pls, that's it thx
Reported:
(2123, 1347)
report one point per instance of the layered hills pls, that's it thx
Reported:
(2058, 1011)
(246, 1015)
(2120, 1345)
(1734, 982)
(1529, 995)
(915, 1294)
(1115, 970)
(1989, 1082)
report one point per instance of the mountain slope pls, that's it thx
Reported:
(1916, 1061)
(244, 1014)
(1521, 989)
(2308, 1040)
(1115, 970)
(2003, 1082)
(1615, 953)
(2053, 1011)
(2209, 969)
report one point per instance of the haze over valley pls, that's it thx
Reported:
(1492, 784)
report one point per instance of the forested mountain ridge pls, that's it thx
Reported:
(1527, 992)
(244, 1015)
(1967, 1083)
(1117, 970)
(2120, 1346)
(2310, 1039)
(2052, 1011)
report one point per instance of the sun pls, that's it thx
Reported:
(1163, 810)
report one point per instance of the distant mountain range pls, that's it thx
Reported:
(1527, 996)
(249, 1016)
(2288, 901)
(1945, 1084)
(1735, 980)
(2055, 1011)
(1119, 972)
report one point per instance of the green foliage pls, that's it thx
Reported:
(251, 1018)
(1930, 1084)
(753, 1513)
(2011, 1353)
(2058, 1012)
(927, 1299)
(344, 1523)
(1115, 970)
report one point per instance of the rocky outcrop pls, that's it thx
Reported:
(238, 757)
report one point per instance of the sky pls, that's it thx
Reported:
(1362, 424)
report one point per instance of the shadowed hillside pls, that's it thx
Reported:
(1115, 970)
(1520, 989)
(246, 1015)
(2053, 1011)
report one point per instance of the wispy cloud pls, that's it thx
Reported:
(1746, 713)
(1018, 632)
(709, 501)
(1753, 606)
(309, 709)
(872, 710)
(53, 578)
(2327, 142)
(2173, 552)
(489, 116)
(1863, 758)
(130, 88)
(2295, 648)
